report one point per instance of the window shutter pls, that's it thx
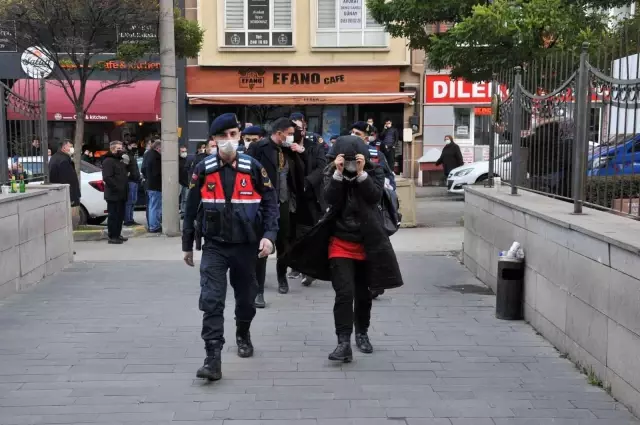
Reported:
(234, 14)
(371, 23)
(327, 14)
(281, 14)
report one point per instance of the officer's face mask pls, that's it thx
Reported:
(228, 147)
(372, 138)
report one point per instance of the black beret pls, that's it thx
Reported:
(254, 130)
(362, 126)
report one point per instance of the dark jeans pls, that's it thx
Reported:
(131, 202)
(239, 260)
(115, 209)
(390, 156)
(286, 234)
(353, 300)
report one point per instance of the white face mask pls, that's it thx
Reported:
(183, 154)
(447, 141)
(288, 141)
(227, 147)
(372, 138)
(212, 150)
(350, 166)
(71, 151)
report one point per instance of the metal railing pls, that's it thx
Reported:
(24, 147)
(568, 126)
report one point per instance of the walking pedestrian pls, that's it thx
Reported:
(284, 166)
(451, 156)
(232, 203)
(183, 179)
(115, 175)
(360, 255)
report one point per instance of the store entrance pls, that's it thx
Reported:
(482, 133)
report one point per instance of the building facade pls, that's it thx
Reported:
(263, 59)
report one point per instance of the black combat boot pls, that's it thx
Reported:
(212, 368)
(259, 301)
(343, 352)
(243, 339)
(363, 343)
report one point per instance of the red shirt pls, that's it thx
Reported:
(339, 248)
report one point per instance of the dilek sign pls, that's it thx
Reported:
(442, 90)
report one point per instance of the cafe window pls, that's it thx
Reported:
(347, 23)
(462, 123)
(258, 23)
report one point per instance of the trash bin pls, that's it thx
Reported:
(510, 288)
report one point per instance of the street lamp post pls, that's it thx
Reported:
(169, 123)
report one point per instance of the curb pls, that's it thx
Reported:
(98, 233)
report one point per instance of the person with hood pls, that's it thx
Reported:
(350, 246)
(451, 156)
(250, 134)
(116, 186)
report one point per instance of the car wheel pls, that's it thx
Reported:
(482, 178)
(96, 221)
(84, 216)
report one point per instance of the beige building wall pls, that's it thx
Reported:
(210, 15)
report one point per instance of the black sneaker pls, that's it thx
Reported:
(115, 241)
(363, 343)
(306, 280)
(131, 223)
(123, 239)
(283, 285)
(293, 274)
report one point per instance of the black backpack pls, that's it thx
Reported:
(389, 208)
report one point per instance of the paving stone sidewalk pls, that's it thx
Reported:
(118, 343)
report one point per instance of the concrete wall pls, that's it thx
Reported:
(36, 237)
(582, 287)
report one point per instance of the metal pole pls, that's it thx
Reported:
(580, 141)
(492, 144)
(4, 143)
(515, 133)
(169, 121)
(44, 133)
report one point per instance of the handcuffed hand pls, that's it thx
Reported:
(339, 161)
(265, 247)
(188, 258)
(360, 163)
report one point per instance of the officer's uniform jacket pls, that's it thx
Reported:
(243, 216)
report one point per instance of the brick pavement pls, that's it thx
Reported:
(118, 343)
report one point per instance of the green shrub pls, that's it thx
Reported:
(603, 190)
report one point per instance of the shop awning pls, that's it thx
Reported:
(299, 99)
(135, 102)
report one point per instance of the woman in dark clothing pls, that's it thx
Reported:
(451, 156)
(349, 246)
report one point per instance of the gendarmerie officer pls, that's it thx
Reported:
(231, 203)
(363, 130)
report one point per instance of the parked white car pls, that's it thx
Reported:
(477, 172)
(93, 207)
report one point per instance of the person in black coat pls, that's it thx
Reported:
(115, 175)
(134, 180)
(360, 255)
(183, 179)
(152, 170)
(284, 164)
(63, 171)
(390, 137)
(451, 156)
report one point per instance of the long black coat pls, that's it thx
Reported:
(62, 171)
(152, 170)
(450, 158)
(310, 254)
(115, 175)
(315, 159)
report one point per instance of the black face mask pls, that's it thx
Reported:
(297, 135)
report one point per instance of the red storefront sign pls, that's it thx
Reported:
(441, 89)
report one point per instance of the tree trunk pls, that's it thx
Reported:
(78, 141)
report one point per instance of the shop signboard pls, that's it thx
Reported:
(441, 89)
(258, 18)
(8, 37)
(467, 155)
(350, 14)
